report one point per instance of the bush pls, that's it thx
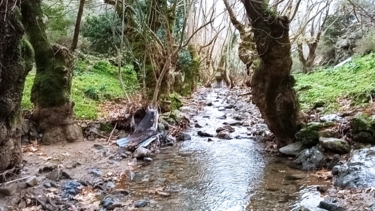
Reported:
(103, 32)
(366, 44)
(59, 22)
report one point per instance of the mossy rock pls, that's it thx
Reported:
(364, 137)
(176, 103)
(361, 122)
(309, 135)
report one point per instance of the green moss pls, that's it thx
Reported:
(354, 81)
(103, 82)
(309, 135)
(175, 101)
(107, 127)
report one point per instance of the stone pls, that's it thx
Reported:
(141, 152)
(147, 159)
(98, 146)
(360, 122)
(31, 181)
(204, 134)
(221, 108)
(197, 125)
(47, 185)
(110, 185)
(330, 206)
(8, 189)
(358, 172)
(224, 135)
(140, 203)
(327, 133)
(183, 137)
(309, 135)
(71, 188)
(121, 192)
(372, 208)
(292, 149)
(226, 128)
(96, 172)
(330, 118)
(335, 145)
(233, 123)
(364, 137)
(310, 159)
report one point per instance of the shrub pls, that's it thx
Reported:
(103, 32)
(366, 44)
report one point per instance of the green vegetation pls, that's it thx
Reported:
(93, 83)
(355, 81)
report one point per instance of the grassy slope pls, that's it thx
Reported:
(93, 83)
(355, 80)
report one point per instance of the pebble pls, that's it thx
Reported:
(140, 203)
(95, 172)
(32, 181)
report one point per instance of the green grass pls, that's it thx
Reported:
(93, 83)
(354, 80)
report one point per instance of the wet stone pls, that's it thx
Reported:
(140, 203)
(204, 134)
(223, 135)
(292, 149)
(330, 206)
(226, 128)
(183, 137)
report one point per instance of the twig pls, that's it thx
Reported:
(110, 135)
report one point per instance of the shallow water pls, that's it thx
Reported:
(221, 175)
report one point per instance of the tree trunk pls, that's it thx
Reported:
(16, 58)
(272, 84)
(77, 27)
(50, 93)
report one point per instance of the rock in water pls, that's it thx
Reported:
(292, 149)
(358, 172)
(223, 135)
(310, 159)
(183, 137)
(141, 152)
(204, 134)
(335, 145)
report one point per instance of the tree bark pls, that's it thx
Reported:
(53, 108)
(16, 58)
(77, 27)
(272, 84)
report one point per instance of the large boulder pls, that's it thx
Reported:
(358, 172)
(292, 149)
(309, 135)
(363, 128)
(335, 145)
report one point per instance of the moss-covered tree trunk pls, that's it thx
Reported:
(15, 63)
(272, 84)
(53, 108)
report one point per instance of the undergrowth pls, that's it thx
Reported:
(93, 83)
(353, 81)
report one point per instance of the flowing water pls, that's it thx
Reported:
(221, 175)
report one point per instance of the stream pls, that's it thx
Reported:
(219, 174)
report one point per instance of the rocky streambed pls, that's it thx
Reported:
(218, 163)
